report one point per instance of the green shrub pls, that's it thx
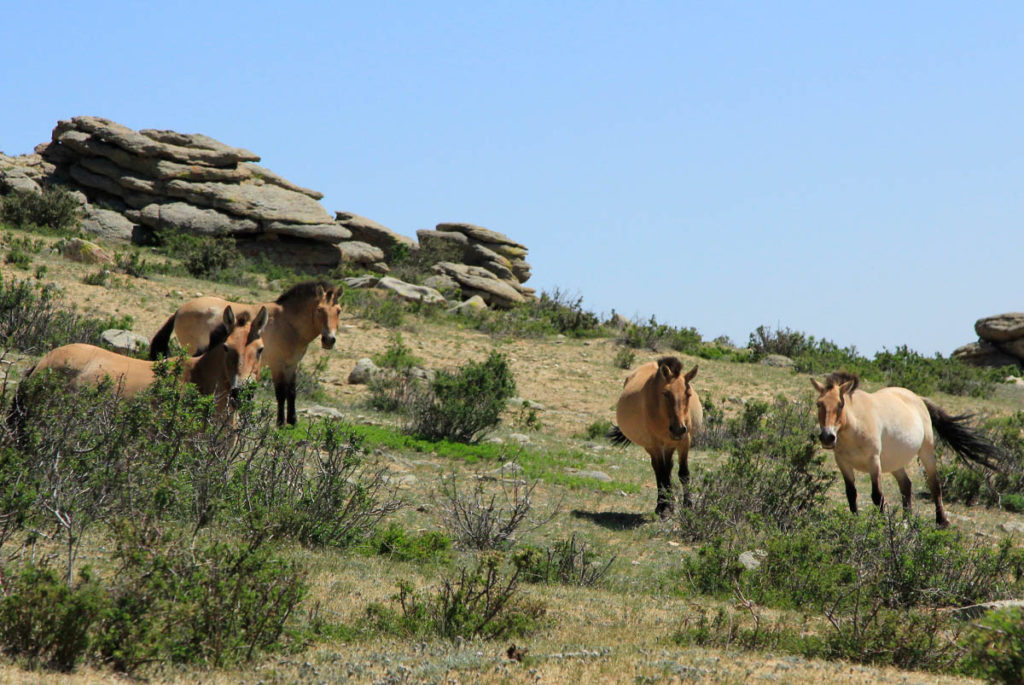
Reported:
(19, 258)
(996, 645)
(54, 209)
(624, 358)
(570, 562)
(46, 622)
(388, 312)
(397, 356)
(100, 277)
(655, 336)
(398, 544)
(482, 518)
(133, 264)
(203, 256)
(464, 403)
(481, 602)
(597, 430)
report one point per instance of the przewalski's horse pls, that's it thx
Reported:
(881, 432)
(297, 317)
(233, 354)
(660, 411)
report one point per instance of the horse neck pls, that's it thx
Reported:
(298, 317)
(206, 371)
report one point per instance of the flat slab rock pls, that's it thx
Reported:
(411, 292)
(1001, 327)
(479, 233)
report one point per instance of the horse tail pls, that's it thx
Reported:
(967, 442)
(160, 346)
(18, 414)
(616, 436)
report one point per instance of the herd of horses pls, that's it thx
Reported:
(658, 408)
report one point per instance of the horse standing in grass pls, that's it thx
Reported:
(232, 355)
(881, 432)
(296, 318)
(660, 411)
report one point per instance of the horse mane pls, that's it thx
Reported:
(304, 290)
(837, 378)
(219, 334)
(673, 364)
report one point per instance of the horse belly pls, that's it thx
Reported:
(900, 444)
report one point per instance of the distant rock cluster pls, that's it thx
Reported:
(1000, 342)
(133, 183)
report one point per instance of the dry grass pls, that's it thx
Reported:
(618, 633)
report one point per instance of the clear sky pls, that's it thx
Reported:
(851, 170)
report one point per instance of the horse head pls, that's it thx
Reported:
(675, 392)
(242, 348)
(832, 396)
(326, 312)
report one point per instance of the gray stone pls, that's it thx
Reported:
(441, 283)
(260, 173)
(325, 233)
(78, 250)
(480, 255)
(107, 224)
(751, 559)
(509, 251)
(410, 292)
(186, 217)
(529, 404)
(360, 253)
(108, 185)
(475, 303)
(369, 231)
(522, 270)
(1014, 347)
(305, 255)
(977, 610)
(366, 281)
(363, 372)
(1013, 526)
(589, 474)
(502, 272)
(476, 280)
(122, 341)
(1001, 327)
(320, 411)
(778, 360)
(619, 321)
(520, 438)
(264, 202)
(213, 153)
(479, 233)
(443, 246)
(422, 374)
(17, 181)
(983, 353)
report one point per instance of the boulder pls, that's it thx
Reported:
(479, 234)
(588, 474)
(1014, 347)
(369, 231)
(410, 292)
(326, 233)
(186, 217)
(475, 280)
(778, 360)
(17, 181)
(751, 559)
(363, 372)
(260, 202)
(85, 252)
(122, 341)
(984, 353)
(441, 283)
(361, 253)
(265, 175)
(151, 144)
(366, 281)
(475, 303)
(1001, 327)
(107, 224)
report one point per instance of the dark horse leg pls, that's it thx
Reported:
(684, 473)
(661, 462)
(851, 486)
(906, 491)
(291, 401)
(281, 393)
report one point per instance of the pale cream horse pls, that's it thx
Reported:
(882, 431)
(234, 352)
(660, 411)
(296, 318)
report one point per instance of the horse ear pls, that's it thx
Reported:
(664, 371)
(229, 318)
(256, 330)
(691, 374)
(818, 386)
(320, 292)
(338, 290)
(847, 387)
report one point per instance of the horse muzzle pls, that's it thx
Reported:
(327, 342)
(677, 432)
(827, 438)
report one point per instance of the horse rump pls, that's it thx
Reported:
(967, 442)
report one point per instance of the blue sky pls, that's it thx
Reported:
(854, 172)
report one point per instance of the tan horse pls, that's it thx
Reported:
(232, 356)
(297, 317)
(881, 432)
(660, 411)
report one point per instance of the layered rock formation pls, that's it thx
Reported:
(133, 183)
(1000, 341)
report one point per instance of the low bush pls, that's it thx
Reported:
(655, 336)
(479, 602)
(483, 518)
(624, 358)
(570, 562)
(996, 644)
(398, 544)
(397, 355)
(203, 256)
(54, 209)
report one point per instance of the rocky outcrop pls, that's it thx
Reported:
(1000, 342)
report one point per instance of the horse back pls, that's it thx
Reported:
(90, 365)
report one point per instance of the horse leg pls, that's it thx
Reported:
(684, 473)
(663, 475)
(280, 392)
(851, 484)
(291, 400)
(905, 491)
(876, 483)
(931, 472)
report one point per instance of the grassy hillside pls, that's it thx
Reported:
(673, 603)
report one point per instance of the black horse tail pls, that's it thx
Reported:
(161, 343)
(18, 414)
(616, 436)
(967, 442)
